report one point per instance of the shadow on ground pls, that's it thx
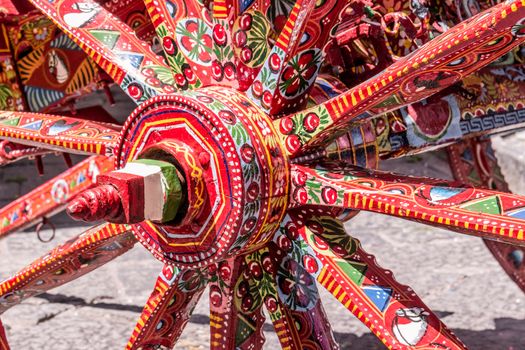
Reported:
(503, 337)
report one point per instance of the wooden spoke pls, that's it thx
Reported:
(4, 345)
(232, 325)
(290, 295)
(224, 9)
(484, 213)
(51, 197)
(393, 312)
(113, 46)
(225, 68)
(450, 117)
(511, 259)
(231, 181)
(282, 85)
(196, 41)
(11, 152)
(473, 161)
(303, 329)
(266, 84)
(59, 133)
(439, 64)
(67, 262)
(168, 308)
(422, 126)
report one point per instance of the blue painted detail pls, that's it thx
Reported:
(245, 4)
(518, 214)
(305, 38)
(357, 137)
(172, 8)
(38, 98)
(380, 296)
(327, 88)
(360, 157)
(467, 154)
(516, 257)
(62, 41)
(33, 126)
(61, 126)
(81, 178)
(441, 193)
(363, 116)
(130, 58)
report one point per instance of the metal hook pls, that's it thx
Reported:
(45, 221)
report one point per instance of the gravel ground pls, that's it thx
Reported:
(454, 274)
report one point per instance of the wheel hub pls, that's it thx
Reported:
(231, 165)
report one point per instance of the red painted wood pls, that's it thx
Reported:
(11, 152)
(319, 244)
(4, 345)
(113, 46)
(247, 63)
(67, 262)
(233, 325)
(51, 197)
(58, 133)
(441, 63)
(289, 295)
(168, 309)
(430, 201)
(473, 161)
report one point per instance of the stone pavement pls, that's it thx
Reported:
(454, 274)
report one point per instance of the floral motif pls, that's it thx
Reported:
(300, 73)
(195, 40)
(296, 287)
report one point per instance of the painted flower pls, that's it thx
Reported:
(195, 40)
(300, 73)
(296, 287)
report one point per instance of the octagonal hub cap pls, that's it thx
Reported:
(233, 167)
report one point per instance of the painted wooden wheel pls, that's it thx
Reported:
(243, 158)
